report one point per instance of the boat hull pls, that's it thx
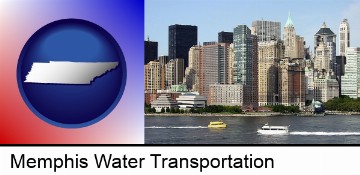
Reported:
(272, 132)
(217, 126)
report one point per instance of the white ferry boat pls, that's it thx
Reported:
(266, 129)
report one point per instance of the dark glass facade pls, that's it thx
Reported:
(151, 51)
(225, 37)
(181, 39)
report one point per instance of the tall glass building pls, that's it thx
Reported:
(242, 55)
(350, 82)
(151, 51)
(181, 39)
(243, 69)
(225, 37)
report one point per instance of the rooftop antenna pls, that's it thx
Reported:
(148, 38)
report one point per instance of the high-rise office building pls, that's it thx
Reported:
(294, 44)
(181, 39)
(300, 51)
(152, 77)
(163, 60)
(309, 83)
(208, 68)
(192, 71)
(292, 82)
(344, 37)
(223, 59)
(325, 49)
(225, 37)
(266, 30)
(325, 88)
(254, 93)
(174, 72)
(340, 69)
(231, 65)
(243, 61)
(350, 82)
(242, 55)
(270, 53)
(151, 51)
(289, 38)
(322, 61)
(214, 65)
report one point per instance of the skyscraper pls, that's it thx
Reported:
(208, 68)
(323, 58)
(223, 58)
(344, 37)
(325, 39)
(192, 71)
(254, 93)
(231, 64)
(242, 55)
(151, 51)
(340, 69)
(174, 72)
(266, 30)
(289, 38)
(294, 44)
(325, 88)
(152, 77)
(163, 60)
(243, 61)
(270, 53)
(214, 65)
(181, 39)
(225, 37)
(350, 82)
(292, 82)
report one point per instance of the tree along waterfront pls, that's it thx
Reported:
(343, 103)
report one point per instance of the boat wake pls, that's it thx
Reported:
(326, 133)
(174, 127)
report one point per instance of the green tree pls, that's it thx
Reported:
(177, 110)
(343, 103)
(192, 110)
(200, 110)
(153, 110)
(162, 110)
(147, 105)
(167, 109)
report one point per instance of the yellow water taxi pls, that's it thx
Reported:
(217, 124)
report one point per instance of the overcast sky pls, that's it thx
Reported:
(213, 16)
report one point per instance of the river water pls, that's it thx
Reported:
(329, 129)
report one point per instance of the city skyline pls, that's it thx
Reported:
(232, 13)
